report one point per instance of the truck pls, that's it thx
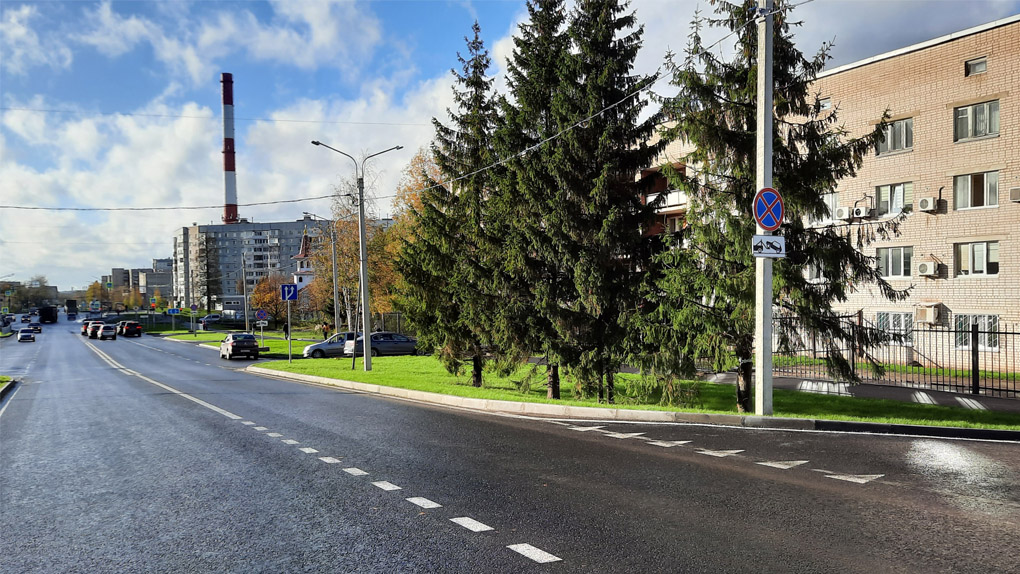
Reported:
(47, 314)
(71, 308)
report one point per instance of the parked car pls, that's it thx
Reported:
(331, 347)
(131, 329)
(383, 343)
(26, 335)
(209, 319)
(94, 328)
(107, 332)
(239, 344)
(37, 327)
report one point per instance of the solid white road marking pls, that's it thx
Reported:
(9, 399)
(971, 404)
(329, 459)
(386, 485)
(858, 478)
(923, 398)
(308, 450)
(720, 453)
(423, 502)
(624, 434)
(260, 429)
(668, 443)
(289, 441)
(355, 471)
(471, 524)
(540, 556)
(274, 434)
(584, 429)
(783, 464)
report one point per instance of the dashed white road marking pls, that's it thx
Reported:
(720, 453)
(540, 556)
(329, 459)
(308, 450)
(289, 441)
(783, 464)
(386, 485)
(858, 478)
(624, 434)
(355, 471)
(923, 398)
(249, 423)
(424, 502)
(585, 429)
(668, 443)
(471, 524)
(274, 434)
(261, 429)
(971, 404)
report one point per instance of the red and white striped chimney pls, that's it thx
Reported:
(229, 177)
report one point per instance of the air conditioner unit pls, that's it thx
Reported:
(928, 268)
(928, 314)
(927, 204)
(842, 213)
(862, 212)
(1014, 194)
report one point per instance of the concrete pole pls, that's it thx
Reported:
(366, 315)
(336, 290)
(763, 179)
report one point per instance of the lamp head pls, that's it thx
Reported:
(314, 142)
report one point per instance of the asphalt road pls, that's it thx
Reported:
(148, 455)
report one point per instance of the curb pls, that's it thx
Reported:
(7, 388)
(628, 415)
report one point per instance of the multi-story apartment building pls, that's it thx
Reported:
(210, 261)
(951, 156)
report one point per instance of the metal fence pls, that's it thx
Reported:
(980, 361)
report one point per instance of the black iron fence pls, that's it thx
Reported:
(980, 360)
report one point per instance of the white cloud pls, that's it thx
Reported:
(112, 34)
(21, 46)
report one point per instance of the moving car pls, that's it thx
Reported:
(26, 335)
(331, 347)
(37, 327)
(85, 326)
(26, 318)
(239, 344)
(107, 332)
(94, 328)
(383, 343)
(130, 329)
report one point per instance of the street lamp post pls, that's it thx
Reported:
(336, 292)
(365, 311)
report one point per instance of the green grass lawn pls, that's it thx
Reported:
(427, 374)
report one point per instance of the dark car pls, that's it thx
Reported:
(130, 329)
(94, 328)
(384, 343)
(37, 327)
(26, 318)
(239, 344)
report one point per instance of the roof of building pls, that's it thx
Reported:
(923, 45)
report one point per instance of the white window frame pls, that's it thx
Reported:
(899, 322)
(971, 67)
(962, 196)
(891, 199)
(976, 121)
(987, 341)
(891, 259)
(831, 201)
(824, 104)
(974, 259)
(899, 136)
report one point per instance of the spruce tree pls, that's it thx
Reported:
(705, 292)
(597, 219)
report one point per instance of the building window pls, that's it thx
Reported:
(988, 335)
(894, 261)
(892, 198)
(899, 136)
(981, 258)
(976, 121)
(825, 104)
(813, 273)
(975, 66)
(976, 190)
(831, 201)
(898, 323)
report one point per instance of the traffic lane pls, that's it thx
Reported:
(124, 476)
(389, 446)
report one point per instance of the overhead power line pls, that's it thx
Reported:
(169, 208)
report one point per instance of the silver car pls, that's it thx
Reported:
(331, 347)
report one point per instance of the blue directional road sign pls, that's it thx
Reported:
(768, 209)
(288, 292)
(173, 311)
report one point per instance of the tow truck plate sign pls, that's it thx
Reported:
(773, 246)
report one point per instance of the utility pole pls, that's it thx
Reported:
(763, 179)
(244, 283)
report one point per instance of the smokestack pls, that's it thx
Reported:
(229, 177)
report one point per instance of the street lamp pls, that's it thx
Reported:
(336, 293)
(366, 315)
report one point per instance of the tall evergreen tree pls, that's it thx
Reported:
(530, 277)
(706, 290)
(446, 265)
(596, 221)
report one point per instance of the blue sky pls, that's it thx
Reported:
(117, 104)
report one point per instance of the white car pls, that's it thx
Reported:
(26, 335)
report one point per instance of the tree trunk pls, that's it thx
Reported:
(744, 381)
(476, 370)
(552, 382)
(601, 385)
(610, 387)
